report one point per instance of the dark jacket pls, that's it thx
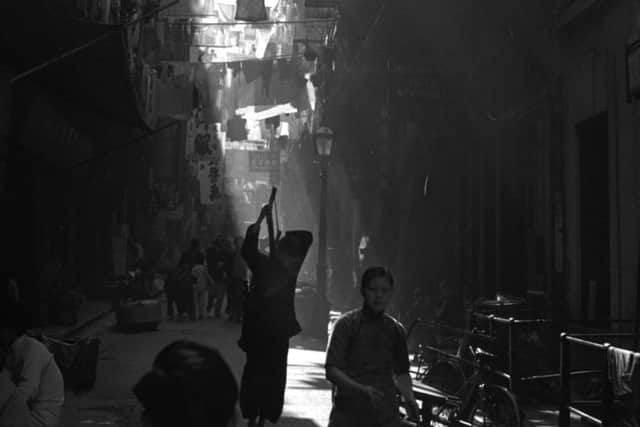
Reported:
(270, 308)
(219, 263)
(191, 257)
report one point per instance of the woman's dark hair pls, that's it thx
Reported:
(190, 385)
(372, 273)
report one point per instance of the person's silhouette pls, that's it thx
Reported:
(269, 320)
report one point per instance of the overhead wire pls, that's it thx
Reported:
(125, 144)
(232, 23)
(106, 34)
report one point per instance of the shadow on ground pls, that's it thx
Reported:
(306, 343)
(289, 421)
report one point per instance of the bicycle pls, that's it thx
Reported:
(446, 338)
(452, 398)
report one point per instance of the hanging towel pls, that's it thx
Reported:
(226, 11)
(237, 129)
(252, 70)
(251, 10)
(267, 71)
(622, 367)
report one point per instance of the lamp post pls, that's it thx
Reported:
(323, 139)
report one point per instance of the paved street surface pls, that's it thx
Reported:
(125, 357)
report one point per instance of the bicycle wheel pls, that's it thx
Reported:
(625, 414)
(628, 421)
(495, 406)
(445, 376)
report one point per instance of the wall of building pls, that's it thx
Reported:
(593, 70)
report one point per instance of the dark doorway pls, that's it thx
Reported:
(594, 218)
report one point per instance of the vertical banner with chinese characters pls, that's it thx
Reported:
(204, 151)
(210, 178)
(201, 141)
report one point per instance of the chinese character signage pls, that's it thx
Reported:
(210, 178)
(416, 83)
(204, 151)
(202, 142)
(264, 161)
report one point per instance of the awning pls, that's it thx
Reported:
(97, 78)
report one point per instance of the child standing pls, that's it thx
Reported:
(185, 292)
(201, 290)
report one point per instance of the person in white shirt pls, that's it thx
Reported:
(14, 411)
(29, 376)
(201, 290)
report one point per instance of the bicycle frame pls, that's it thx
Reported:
(464, 334)
(472, 390)
(455, 410)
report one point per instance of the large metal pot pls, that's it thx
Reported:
(501, 306)
(139, 315)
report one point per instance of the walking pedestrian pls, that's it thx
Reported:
(189, 385)
(189, 258)
(193, 255)
(228, 250)
(203, 283)
(184, 293)
(239, 282)
(216, 265)
(367, 360)
(270, 320)
(172, 290)
(168, 264)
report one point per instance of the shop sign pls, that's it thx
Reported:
(416, 83)
(264, 161)
(210, 178)
(204, 152)
(202, 142)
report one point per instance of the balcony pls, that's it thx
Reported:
(82, 55)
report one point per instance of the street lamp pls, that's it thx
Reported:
(323, 139)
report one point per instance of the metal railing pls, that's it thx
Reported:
(446, 328)
(476, 336)
(606, 403)
(513, 327)
(436, 394)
